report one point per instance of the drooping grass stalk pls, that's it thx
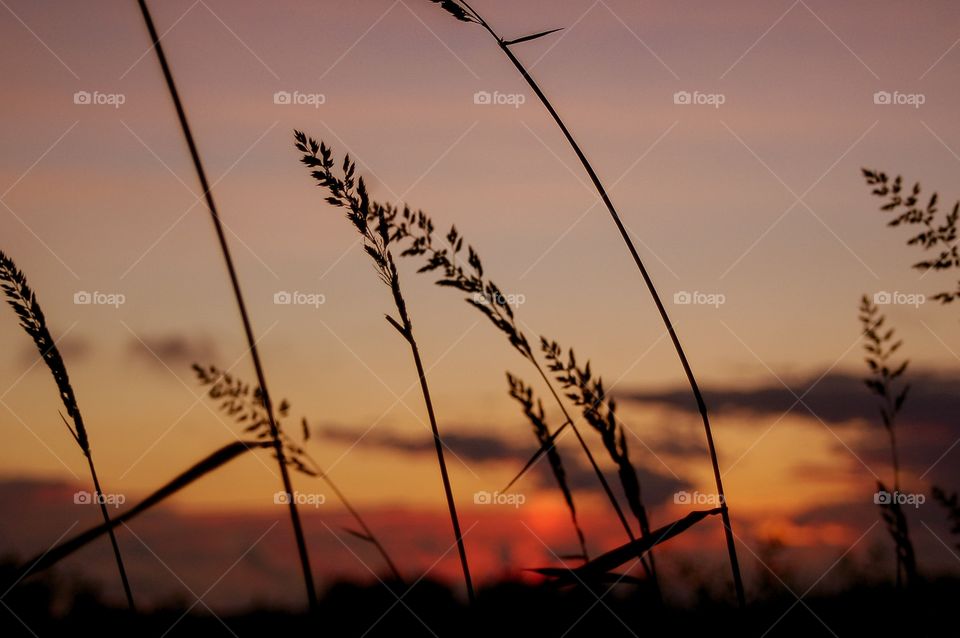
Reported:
(245, 405)
(880, 347)
(24, 302)
(533, 410)
(241, 305)
(461, 10)
(486, 296)
(373, 221)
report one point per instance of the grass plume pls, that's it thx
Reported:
(533, 410)
(244, 404)
(373, 222)
(24, 302)
(419, 231)
(881, 344)
(936, 231)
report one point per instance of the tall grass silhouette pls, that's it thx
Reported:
(241, 305)
(373, 222)
(419, 231)
(937, 232)
(244, 404)
(600, 411)
(881, 344)
(462, 11)
(533, 410)
(24, 302)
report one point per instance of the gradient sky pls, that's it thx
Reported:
(759, 200)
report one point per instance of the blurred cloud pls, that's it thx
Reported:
(175, 351)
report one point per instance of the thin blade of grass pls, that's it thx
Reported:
(528, 38)
(212, 462)
(615, 558)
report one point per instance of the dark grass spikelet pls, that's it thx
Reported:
(533, 410)
(880, 345)
(244, 404)
(951, 503)
(937, 232)
(375, 223)
(600, 411)
(24, 302)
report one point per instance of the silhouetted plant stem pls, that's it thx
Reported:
(701, 404)
(113, 537)
(235, 282)
(25, 304)
(374, 222)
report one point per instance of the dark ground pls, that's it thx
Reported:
(502, 611)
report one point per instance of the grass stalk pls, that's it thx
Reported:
(238, 294)
(24, 302)
(374, 222)
(466, 13)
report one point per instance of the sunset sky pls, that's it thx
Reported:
(758, 200)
